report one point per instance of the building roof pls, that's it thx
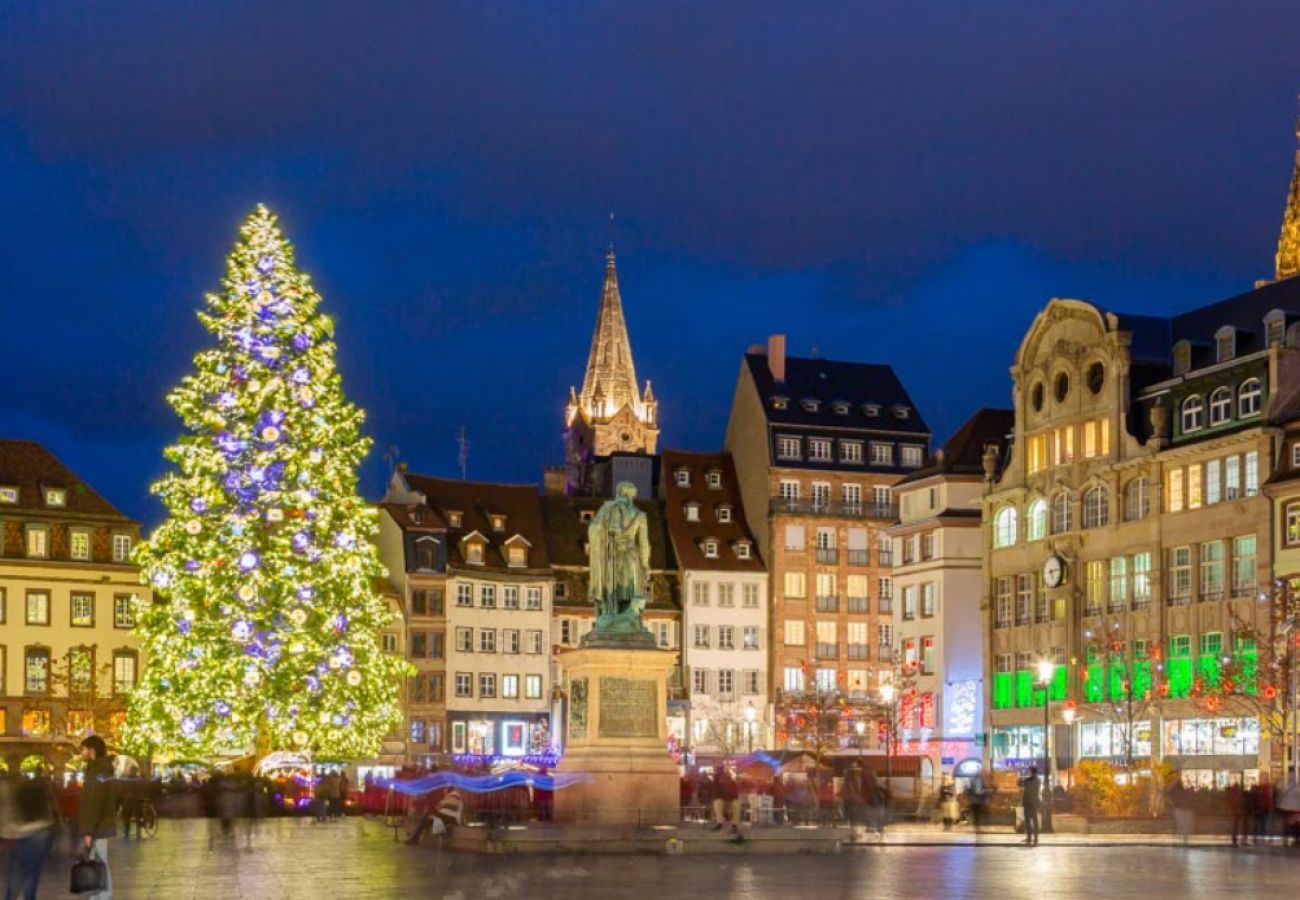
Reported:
(688, 537)
(415, 517)
(477, 502)
(963, 454)
(831, 383)
(610, 380)
(30, 467)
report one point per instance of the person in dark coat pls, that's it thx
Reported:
(97, 815)
(854, 794)
(1031, 800)
(27, 819)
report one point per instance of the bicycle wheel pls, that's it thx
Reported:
(149, 820)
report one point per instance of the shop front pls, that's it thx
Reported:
(500, 735)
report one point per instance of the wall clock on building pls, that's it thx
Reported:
(1054, 571)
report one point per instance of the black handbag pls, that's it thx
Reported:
(88, 875)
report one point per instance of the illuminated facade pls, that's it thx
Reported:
(68, 654)
(611, 414)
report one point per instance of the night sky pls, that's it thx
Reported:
(904, 183)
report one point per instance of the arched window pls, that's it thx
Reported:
(1248, 398)
(1220, 406)
(1037, 516)
(1193, 414)
(1137, 500)
(1096, 507)
(1004, 527)
(1061, 513)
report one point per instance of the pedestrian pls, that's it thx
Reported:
(778, 800)
(97, 815)
(27, 819)
(1262, 793)
(854, 797)
(1030, 799)
(1236, 798)
(726, 801)
(1180, 804)
(873, 797)
(977, 797)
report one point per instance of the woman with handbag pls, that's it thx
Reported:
(96, 822)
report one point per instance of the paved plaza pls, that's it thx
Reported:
(292, 858)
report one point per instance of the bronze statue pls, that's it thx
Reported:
(618, 552)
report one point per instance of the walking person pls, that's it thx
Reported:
(1031, 800)
(1236, 798)
(726, 801)
(977, 797)
(97, 815)
(27, 817)
(854, 797)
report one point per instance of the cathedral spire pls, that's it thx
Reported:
(610, 370)
(1288, 242)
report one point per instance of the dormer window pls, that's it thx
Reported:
(1182, 357)
(454, 518)
(683, 477)
(517, 556)
(692, 512)
(710, 549)
(425, 553)
(871, 410)
(474, 549)
(1225, 344)
(724, 514)
(841, 408)
(8, 495)
(498, 522)
(1275, 328)
(56, 497)
(810, 404)
(742, 550)
(714, 480)
(901, 412)
(779, 402)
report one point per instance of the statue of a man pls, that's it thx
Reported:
(618, 545)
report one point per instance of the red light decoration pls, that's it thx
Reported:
(1270, 692)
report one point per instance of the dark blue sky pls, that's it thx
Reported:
(904, 183)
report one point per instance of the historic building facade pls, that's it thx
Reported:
(817, 446)
(68, 654)
(496, 596)
(938, 586)
(724, 606)
(611, 414)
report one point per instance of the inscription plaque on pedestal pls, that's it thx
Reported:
(627, 708)
(578, 708)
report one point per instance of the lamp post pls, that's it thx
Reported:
(1068, 715)
(1046, 668)
(860, 726)
(887, 698)
(750, 713)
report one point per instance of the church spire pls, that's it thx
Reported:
(1288, 242)
(610, 370)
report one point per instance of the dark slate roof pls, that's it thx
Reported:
(688, 537)
(31, 468)
(963, 454)
(477, 501)
(412, 517)
(829, 381)
(1154, 337)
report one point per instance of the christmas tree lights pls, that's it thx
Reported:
(266, 626)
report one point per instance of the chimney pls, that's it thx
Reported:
(776, 357)
(401, 467)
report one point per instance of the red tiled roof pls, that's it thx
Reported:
(688, 537)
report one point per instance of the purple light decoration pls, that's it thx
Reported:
(265, 264)
(257, 474)
(241, 630)
(198, 505)
(191, 565)
(340, 622)
(301, 540)
(222, 708)
(249, 560)
(189, 725)
(306, 592)
(313, 683)
(301, 375)
(228, 443)
(301, 342)
(183, 626)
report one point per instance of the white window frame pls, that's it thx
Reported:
(1248, 398)
(1192, 414)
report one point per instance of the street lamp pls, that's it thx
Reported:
(887, 697)
(1068, 715)
(860, 726)
(750, 713)
(1047, 668)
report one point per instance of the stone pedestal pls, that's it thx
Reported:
(618, 738)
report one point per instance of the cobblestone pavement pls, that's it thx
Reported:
(293, 858)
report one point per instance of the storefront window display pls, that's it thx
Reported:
(1212, 737)
(1021, 742)
(1108, 739)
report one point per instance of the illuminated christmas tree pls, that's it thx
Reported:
(265, 629)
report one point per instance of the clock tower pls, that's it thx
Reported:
(611, 414)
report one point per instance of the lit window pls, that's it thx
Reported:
(474, 553)
(56, 497)
(79, 545)
(532, 687)
(714, 480)
(851, 451)
(83, 610)
(683, 477)
(38, 542)
(8, 495)
(517, 556)
(742, 551)
(498, 523)
(487, 684)
(1037, 519)
(38, 607)
(724, 514)
(1004, 527)
(882, 454)
(121, 548)
(912, 455)
(711, 549)
(36, 670)
(692, 512)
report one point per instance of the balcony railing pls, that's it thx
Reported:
(887, 511)
(859, 605)
(859, 557)
(828, 555)
(828, 651)
(886, 606)
(859, 651)
(828, 604)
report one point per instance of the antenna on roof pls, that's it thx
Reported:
(390, 457)
(462, 456)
